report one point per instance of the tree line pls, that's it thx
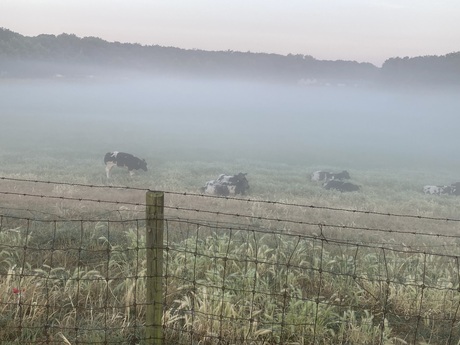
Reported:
(67, 55)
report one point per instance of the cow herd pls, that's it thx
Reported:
(226, 185)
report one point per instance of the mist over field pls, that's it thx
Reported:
(207, 120)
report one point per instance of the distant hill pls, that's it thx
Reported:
(68, 56)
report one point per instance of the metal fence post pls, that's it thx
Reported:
(154, 256)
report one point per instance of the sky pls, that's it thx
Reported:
(357, 30)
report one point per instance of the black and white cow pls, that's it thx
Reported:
(227, 185)
(328, 176)
(125, 160)
(437, 190)
(341, 186)
(453, 189)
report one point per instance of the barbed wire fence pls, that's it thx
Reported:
(74, 264)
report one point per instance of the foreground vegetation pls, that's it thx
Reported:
(85, 283)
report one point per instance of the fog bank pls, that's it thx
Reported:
(323, 126)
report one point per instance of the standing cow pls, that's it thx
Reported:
(122, 159)
(227, 185)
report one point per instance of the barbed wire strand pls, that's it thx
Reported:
(389, 214)
(241, 216)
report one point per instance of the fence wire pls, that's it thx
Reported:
(236, 271)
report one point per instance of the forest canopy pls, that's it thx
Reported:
(66, 55)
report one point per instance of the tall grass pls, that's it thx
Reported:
(225, 285)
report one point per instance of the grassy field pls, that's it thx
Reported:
(296, 270)
(274, 291)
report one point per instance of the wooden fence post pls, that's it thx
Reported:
(154, 256)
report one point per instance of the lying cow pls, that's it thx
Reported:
(125, 160)
(227, 185)
(453, 189)
(437, 190)
(328, 176)
(341, 186)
